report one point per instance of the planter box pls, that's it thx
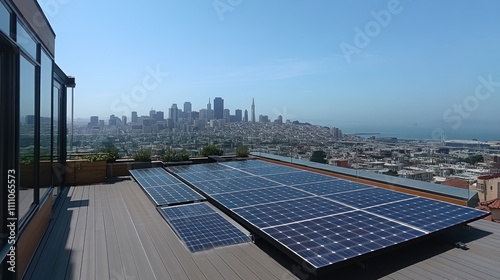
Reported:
(80, 172)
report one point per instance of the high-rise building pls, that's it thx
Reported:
(218, 108)
(94, 121)
(134, 117)
(159, 116)
(245, 118)
(124, 120)
(210, 113)
(226, 115)
(279, 120)
(263, 118)
(152, 113)
(187, 107)
(239, 115)
(173, 113)
(253, 111)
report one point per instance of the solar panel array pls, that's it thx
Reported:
(319, 219)
(163, 188)
(200, 227)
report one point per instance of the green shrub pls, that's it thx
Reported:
(171, 155)
(242, 151)
(211, 150)
(142, 155)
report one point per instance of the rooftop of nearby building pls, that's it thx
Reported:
(457, 183)
(489, 177)
(113, 231)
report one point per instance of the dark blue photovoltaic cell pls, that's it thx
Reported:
(213, 175)
(164, 188)
(273, 214)
(332, 239)
(209, 167)
(147, 172)
(333, 186)
(318, 218)
(249, 164)
(232, 185)
(298, 178)
(368, 197)
(154, 181)
(261, 171)
(260, 196)
(201, 228)
(427, 214)
(173, 194)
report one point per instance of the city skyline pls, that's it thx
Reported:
(352, 64)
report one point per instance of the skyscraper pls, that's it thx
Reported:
(239, 115)
(225, 115)
(173, 113)
(253, 111)
(152, 114)
(245, 118)
(187, 107)
(209, 114)
(218, 108)
(134, 117)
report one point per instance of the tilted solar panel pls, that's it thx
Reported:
(163, 188)
(326, 221)
(200, 227)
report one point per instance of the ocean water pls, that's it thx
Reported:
(490, 133)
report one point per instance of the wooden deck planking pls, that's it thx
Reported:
(182, 254)
(128, 269)
(101, 248)
(139, 255)
(64, 255)
(77, 248)
(114, 259)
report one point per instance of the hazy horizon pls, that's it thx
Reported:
(355, 63)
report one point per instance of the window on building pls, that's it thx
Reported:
(45, 124)
(4, 19)
(26, 135)
(25, 41)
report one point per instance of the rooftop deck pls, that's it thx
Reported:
(113, 231)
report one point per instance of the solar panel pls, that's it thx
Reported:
(273, 214)
(201, 228)
(334, 239)
(249, 164)
(232, 185)
(427, 214)
(261, 171)
(298, 178)
(212, 175)
(198, 168)
(260, 196)
(173, 194)
(331, 186)
(163, 188)
(368, 197)
(327, 221)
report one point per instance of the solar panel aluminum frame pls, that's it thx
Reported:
(174, 203)
(216, 211)
(319, 271)
(306, 265)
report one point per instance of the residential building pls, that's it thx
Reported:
(32, 87)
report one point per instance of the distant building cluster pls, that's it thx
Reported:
(183, 119)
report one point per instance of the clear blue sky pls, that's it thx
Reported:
(305, 60)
